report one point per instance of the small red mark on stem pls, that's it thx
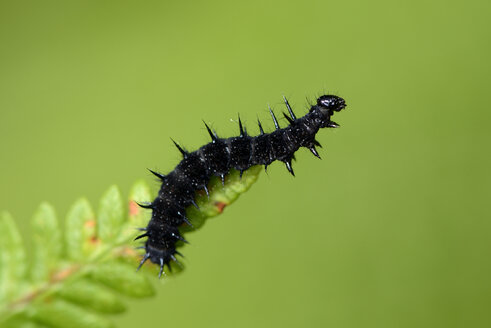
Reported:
(220, 206)
(63, 274)
(133, 208)
(89, 223)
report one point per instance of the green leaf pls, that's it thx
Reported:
(80, 231)
(237, 185)
(61, 314)
(220, 195)
(12, 258)
(123, 278)
(110, 217)
(89, 294)
(139, 217)
(21, 320)
(94, 266)
(46, 243)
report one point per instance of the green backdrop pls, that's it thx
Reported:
(390, 229)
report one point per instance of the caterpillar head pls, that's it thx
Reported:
(326, 106)
(331, 103)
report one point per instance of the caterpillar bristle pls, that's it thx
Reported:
(288, 165)
(314, 151)
(145, 205)
(183, 152)
(157, 174)
(144, 259)
(161, 268)
(332, 124)
(288, 118)
(141, 236)
(194, 204)
(179, 237)
(206, 191)
(261, 131)
(175, 260)
(276, 125)
(186, 220)
(243, 133)
(289, 109)
(213, 136)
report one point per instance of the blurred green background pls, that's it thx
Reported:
(390, 229)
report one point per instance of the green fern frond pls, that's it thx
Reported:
(74, 278)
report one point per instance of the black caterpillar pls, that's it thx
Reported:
(217, 158)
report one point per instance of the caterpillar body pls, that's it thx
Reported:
(217, 158)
